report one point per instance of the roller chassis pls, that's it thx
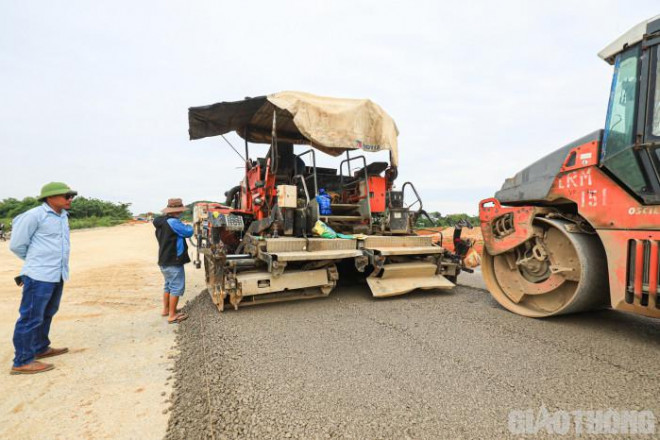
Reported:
(615, 236)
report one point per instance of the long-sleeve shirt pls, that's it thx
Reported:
(182, 231)
(40, 236)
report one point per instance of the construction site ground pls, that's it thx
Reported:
(116, 380)
(431, 364)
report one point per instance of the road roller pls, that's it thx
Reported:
(579, 229)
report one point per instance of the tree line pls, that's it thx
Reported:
(83, 209)
(449, 220)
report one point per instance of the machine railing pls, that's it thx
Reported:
(304, 184)
(295, 168)
(419, 199)
(347, 161)
(307, 200)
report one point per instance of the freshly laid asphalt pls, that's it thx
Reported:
(430, 364)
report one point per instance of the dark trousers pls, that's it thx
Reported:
(39, 304)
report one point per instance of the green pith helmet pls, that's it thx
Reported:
(55, 189)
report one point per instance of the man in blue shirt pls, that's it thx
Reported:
(172, 255)
(40, 237)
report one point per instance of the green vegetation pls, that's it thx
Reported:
(445, 221)
(84, 212)
(94, 222)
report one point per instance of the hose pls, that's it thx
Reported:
(231, 194)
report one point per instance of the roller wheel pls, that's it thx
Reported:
(555, 273)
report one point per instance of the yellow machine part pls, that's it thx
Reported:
(399, 278)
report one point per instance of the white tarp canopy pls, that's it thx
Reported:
(332, 125)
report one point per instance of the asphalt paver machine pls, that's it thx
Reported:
(259, 245)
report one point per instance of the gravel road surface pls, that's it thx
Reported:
(426, 365)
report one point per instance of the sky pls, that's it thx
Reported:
(96, 94)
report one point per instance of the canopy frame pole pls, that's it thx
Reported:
(273, 147)
(247, 149)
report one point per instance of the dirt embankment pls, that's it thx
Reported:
(114, 384)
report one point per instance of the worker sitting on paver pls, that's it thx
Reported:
(40, 236)
(172, 255)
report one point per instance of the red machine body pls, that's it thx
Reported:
(629, 230)
(257, 190)
(377, 190)
(580, 228)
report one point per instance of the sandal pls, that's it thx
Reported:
(178, 318)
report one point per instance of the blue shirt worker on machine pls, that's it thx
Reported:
(40, 237)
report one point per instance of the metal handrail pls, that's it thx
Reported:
(403, 196)
(366, 179)
(341, 166)
(302, 179)
(295, 168)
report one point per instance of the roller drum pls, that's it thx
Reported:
(561, 272)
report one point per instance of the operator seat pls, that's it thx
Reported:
(373, 169)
